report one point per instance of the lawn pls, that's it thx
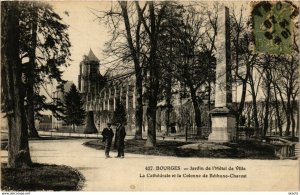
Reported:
(240, 150)
(41, 177)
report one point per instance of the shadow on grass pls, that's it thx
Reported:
(41, 177)
(240, 150)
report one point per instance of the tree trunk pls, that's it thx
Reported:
(278, 121)
(254, 104)
(168, 110)
(241, 105)
(18, 148)
(153, 79)
(30, 76)
(243, 98)
(267, 102)
(298, 117)
(196, 110)
(288, 116)
(30, 114)
(288, 124)
(293, 124)
(168, 101)
(151, 118)
(138, 69)
(139, 107)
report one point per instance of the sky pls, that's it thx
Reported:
(85, 32)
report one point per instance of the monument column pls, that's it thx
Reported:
(223, 118)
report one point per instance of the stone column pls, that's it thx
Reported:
(127, 96)
(223, 118)
(133, 97)
(109, 97)
(115, 96)
(104, 100)
(121, 91)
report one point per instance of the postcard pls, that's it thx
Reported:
(150, 96)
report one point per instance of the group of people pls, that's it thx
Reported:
(108, 135)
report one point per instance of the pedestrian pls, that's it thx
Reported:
(108, 135)
(120, 136)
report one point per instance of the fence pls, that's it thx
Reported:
(68, 134)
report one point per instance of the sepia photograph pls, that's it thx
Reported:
(143, 96)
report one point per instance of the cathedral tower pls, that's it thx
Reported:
(89, 75)
(89, 83)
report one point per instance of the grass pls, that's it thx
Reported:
(240, 150)
(163, 148)
(41, 177)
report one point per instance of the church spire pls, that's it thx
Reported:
(91, 56)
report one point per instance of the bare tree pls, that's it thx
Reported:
(287, 86)
(195, 62)
(127, 45)
(243, 58)
(152, 28)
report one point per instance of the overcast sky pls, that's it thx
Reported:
(85, 32)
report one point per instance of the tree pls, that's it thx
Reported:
(286, 85)
(135, 49)
(141, 30)
(119, 115)
(167, 55)
(127, 45)
(44, 48)
(74, 111)
(12, 86)
(152, 25)
(243, 58)
(195, 46)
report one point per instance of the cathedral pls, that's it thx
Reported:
(102, 93)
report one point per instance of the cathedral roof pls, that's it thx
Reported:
(91, 56)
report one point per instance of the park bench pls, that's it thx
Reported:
(283, 148)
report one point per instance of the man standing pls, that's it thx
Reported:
(120, 136)
(107, 134)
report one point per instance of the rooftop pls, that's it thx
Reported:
(91, 56)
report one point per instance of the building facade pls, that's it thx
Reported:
(101, 98)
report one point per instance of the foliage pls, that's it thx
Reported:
(119, 115)
(74, 112)
(44, 50)
(41, 177)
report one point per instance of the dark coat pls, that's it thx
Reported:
(120, 136)
(107, 134)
